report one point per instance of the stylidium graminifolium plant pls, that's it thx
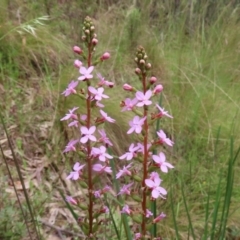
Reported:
(146, 114)
(92, 143)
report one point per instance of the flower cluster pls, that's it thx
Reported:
(144, 150)
(92, 143)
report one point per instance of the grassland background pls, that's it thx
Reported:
(194, 48)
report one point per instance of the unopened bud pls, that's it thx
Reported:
(152, 80)
(142, 61)
(138, 71)
(87, 32)
(77, 63)
(158, 89)
(92, 28)
(77, 49)
(148, 66)
(127, 87)
(137, 219)
(105, 56)
(159, 218)
(136, 59)
(94, 41)
(71, 200)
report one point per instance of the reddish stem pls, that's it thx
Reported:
(144, 201)
(89, 160)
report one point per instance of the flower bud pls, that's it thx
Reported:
(77, 63)
(159, 218)
(158, 89)
(87, 32)
(94, 41)
(152, 80)
(83, 206)
(92, 28)
(71, 200)
(105, 56)
(136, 197)
(127, 87)
(77, 49)
(142, 61)
(148, 66)
(137, 219)
(138, 71)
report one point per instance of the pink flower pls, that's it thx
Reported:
(161, 162)
(162, 112)
(129, 104)
(105, 56)
(124, 171)
(71, 200)
(126, 210)
(70, 115)
(97, 194)
(125, 189)
(105, 209)
(104, 138)
(70, 89)
(86, 73)
(73, 123)
(74, 175)
(88, 134)
(101, 153)
(131, 154)
(100, 105)
(154, 185)
(98, 93)
(83, 117)
(144, 98)
(104, 82)
(100, 168)
(106, 117)
(148, 214)
(158, 89)
(77, 49)
(154, 175)
(141, 147)
(136, 125)
(71, 146)
(127, 87)
(77, 63)
(137, 236)
(163, 138)
(159, 218)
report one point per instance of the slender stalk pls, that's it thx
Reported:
(144, 201)
(89, 160)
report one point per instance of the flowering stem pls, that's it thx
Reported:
(89, 160)
(144, 201)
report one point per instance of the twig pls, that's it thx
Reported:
(60, 229)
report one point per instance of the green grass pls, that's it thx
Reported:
(194, 50)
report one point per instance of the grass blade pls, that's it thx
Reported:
(188, 215)
(117, 188)
(21, 180)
